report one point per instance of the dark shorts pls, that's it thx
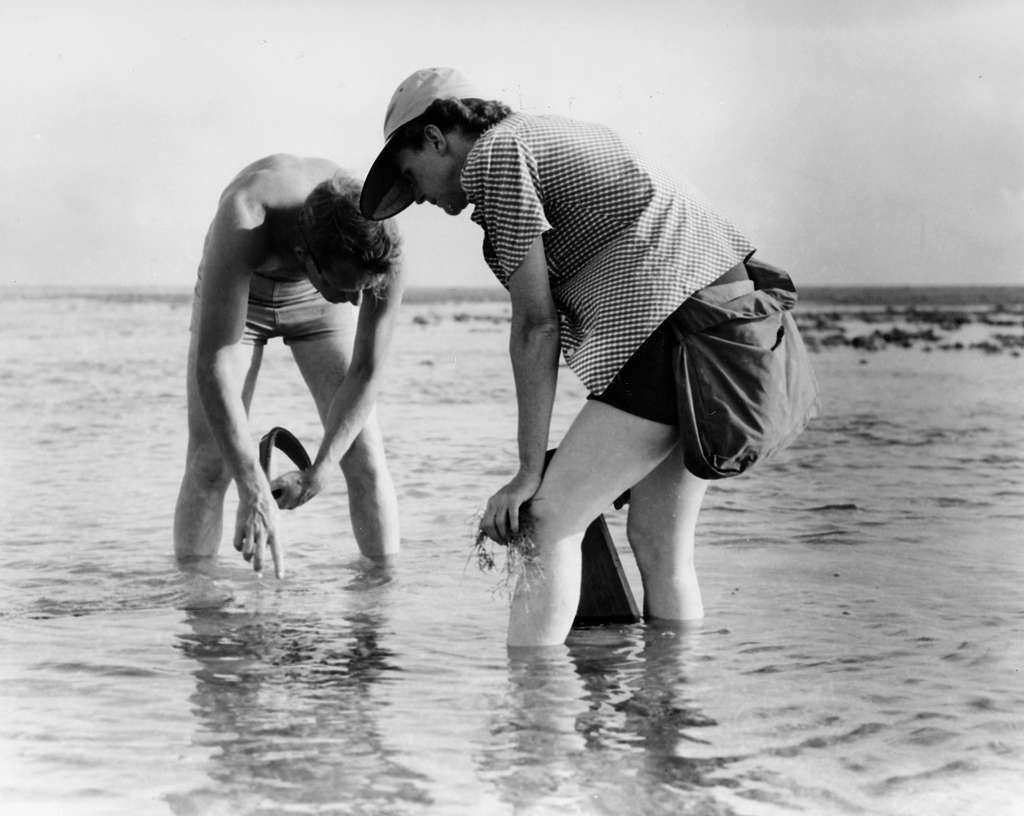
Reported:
(646, 385)
(292, 310)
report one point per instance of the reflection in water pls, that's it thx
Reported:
(604, 720)
(285, 706)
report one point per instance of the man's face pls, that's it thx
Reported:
(342, 281)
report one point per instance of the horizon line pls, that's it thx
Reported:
(496, 287)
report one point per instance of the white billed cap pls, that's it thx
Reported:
(385, 193)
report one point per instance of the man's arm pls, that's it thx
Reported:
(357, 393)
(534, 350)
(235, 245)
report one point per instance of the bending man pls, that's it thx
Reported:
(288, 255)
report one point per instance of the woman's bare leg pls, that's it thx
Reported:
(605, 451)
(663, 511)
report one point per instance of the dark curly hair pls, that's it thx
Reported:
(333, 227)
(471, 116)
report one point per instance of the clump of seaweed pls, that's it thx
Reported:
(520, 563)
(483, 551)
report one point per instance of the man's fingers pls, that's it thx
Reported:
(257, 550)
(277, 555)
(248, 541)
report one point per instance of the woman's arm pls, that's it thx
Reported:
(534, 350)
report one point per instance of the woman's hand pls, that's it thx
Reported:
(256, 527)
(295, 488)
(500, 521)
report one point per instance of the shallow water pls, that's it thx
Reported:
(862, 650)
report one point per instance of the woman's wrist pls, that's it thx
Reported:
(528, 474)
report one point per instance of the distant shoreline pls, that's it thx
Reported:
(989, 319)
(1002, 296)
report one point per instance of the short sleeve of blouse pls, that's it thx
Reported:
(501, 181)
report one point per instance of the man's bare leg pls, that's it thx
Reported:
(199, 512)
(373, 505)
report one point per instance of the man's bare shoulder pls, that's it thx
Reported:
(263, 193)
(275, 182)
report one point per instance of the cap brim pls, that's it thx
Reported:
(385, 193)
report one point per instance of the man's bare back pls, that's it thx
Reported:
(272, 190)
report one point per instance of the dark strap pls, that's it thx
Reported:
(285, 441)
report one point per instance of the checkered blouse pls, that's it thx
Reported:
(625, 245)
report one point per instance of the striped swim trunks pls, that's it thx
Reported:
(291, 310)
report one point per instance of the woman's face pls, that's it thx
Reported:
(434, 173)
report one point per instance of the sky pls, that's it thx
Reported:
(863, 143)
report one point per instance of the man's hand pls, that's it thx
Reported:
(256, 528)
(500, 521)
(295, 488)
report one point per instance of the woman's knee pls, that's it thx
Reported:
(670, 561)
(544, 521)
(641, 529)
(660, 547)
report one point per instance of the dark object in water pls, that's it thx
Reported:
(605, 596)
(285, 441)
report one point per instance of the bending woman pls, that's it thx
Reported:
(597, 251)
